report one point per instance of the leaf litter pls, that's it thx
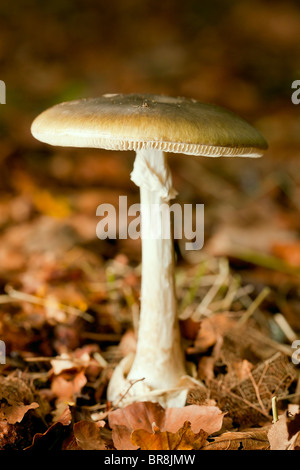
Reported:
(231, 410)
(69, 303)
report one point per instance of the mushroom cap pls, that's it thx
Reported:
(136, 121)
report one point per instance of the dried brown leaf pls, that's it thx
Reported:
(285, 433)
(67, 386)
(142, 415)
(15, 390)
(255, 439)
(15, 413)
(91, 436)
(183, 439)
(53, 438)
(70, 443)
(138, 415)
(249, 401)
(16, 398)
(208, 418)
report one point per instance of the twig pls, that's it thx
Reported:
(17, 296)
(220, 280)
(132, 383)
(257, 393)
(283, 348)
(285, 327)
(263, 375)
(246, 402)
(255, 304)
(291, 395)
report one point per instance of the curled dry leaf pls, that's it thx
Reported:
(53, 438)
(183, 439)
(16, 398)
(15, 390)
(17, 425)
(142, 415)
(15, 413)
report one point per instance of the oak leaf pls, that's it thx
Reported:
(183, 439)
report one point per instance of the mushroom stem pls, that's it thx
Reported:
(159, 357)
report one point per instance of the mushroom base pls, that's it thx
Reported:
(122, 391)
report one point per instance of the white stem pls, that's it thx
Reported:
(159, 357)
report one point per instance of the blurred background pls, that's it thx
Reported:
(243, 55)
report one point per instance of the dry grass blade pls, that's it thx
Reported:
(17, 296)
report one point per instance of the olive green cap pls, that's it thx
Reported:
(136, 121)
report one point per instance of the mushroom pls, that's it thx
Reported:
(151, 125)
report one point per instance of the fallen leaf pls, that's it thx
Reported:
(67, 361)
(183, 439)
(249, 401)
(15, 413)
(256, 439)
(138, 415)
(53, 438)
(70, 443)
(68, 386)
(15, 390)
(142, 415)
(91, 436)
(209, 418)
(16, 398)
(285, 433)
(17, 424)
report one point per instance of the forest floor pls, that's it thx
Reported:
(69, 302)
